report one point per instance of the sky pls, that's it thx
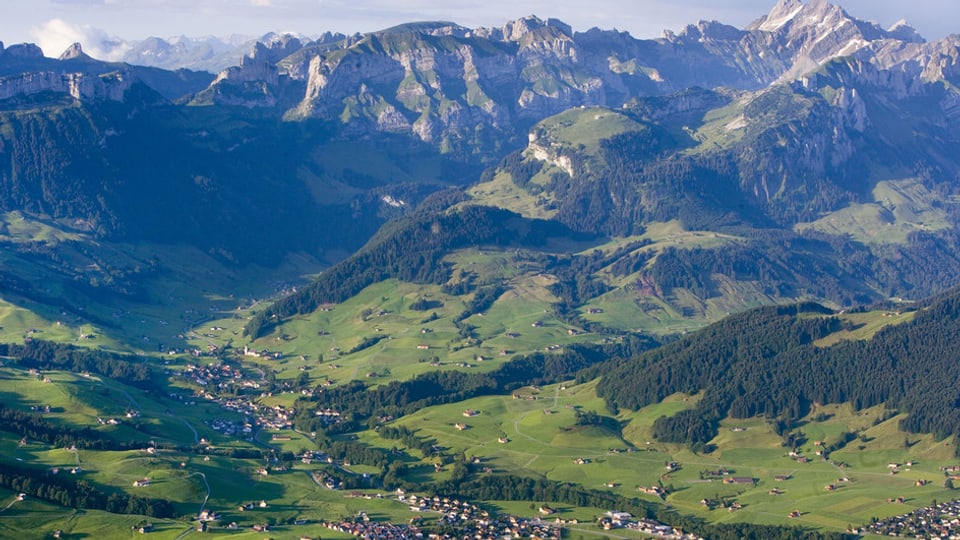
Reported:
(55, 24)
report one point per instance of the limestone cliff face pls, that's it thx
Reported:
(256, 66)
(24, 70)
(66, 77)
(80, 86)
(439, 81)
(443, 82)
(258, 81)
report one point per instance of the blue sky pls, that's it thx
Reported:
(54, 24)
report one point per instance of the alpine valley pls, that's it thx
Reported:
(449, 282)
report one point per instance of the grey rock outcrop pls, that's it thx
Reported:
(443, 79)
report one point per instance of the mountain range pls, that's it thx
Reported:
(808, 155)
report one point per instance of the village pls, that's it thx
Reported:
(935, 521)
(237, 389)
(460, 519)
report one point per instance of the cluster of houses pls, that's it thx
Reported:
(444, 505)
(207, 516)
(39, 374)
(230, 427)
(142, 528)
(254, 415)
(474, 522)
(650, 527)
(656, 491)
(328, 416)
(364, 528)
(252, 506)
(939, 521)
(264, 353)
(728, 503)
(309, 456)
(220, 375)
(798, 457)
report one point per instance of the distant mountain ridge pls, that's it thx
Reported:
(433, 79)
(24, 70)
(438, 81)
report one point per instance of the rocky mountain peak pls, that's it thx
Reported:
(904, 32)
(253, 82)
(269, 50)
(450, 29)
(259, 53)
(275, 47)
(24, 51)
(330, 37)
(515, 30)
(711, 30)
(781, 14)
(794, 16)
(521, 29)
(808, 34)
(74, 52)
(255, 66)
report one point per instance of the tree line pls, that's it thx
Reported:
(765, 362)
(34, 427)
(356, 401)
(41, 354)
(79, 494)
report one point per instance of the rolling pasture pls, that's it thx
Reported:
(561, 432)
(856, 484)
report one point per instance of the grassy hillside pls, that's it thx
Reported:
(898, 208)
(125, 296)
(543, 440)
(561, 432)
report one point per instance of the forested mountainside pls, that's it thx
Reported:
(769, 362)
(248, 188)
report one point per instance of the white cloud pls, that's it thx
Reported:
(261, 3)
(56, 35)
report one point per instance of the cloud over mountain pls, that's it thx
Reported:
(55, 35)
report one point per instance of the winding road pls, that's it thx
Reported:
(202, 505)
(13, 502)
